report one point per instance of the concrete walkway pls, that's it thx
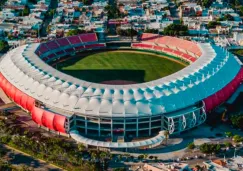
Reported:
(175, 149)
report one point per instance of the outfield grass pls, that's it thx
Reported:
(119, 65)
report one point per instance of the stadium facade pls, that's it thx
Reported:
(96, 114)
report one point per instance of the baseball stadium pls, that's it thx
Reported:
(119, 95)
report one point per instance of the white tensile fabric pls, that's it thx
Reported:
(207, 75)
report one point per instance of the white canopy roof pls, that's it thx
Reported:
(209, 74)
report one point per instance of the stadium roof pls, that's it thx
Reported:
(207, 75)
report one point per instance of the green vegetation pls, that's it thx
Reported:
(4, 47)
(229, 134)
(205, 3)
(86, 2)
(25, 11)
(119, 65)
(112, 11)
(241, 10)
(213, 24)
(176, 30)
(238, 52)
(75, 32)
(210, 148)
(237, 138)
(237, 121)
(126, 32)
(226, 17)
(2, 2)
(234, 3)
(191, 146)
(52, 149)
(228, 144)
(155, 31)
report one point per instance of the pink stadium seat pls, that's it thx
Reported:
(43, 48)
(158, 48)
(172, 42)
(142, 45)
(52, 45)
(149, 37)
(89, 37)
(69, 50)
(94, 46)
(45, 59)
(51, 56)
(60, 52)
(63, 42)
(74, 40)
(79, 47)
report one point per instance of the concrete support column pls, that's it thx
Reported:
(137, 127)
(124, 127)
(180, 123)
(75, 121)
(86, 125)
(99, 127)
(150, 126)
(111, 129)
(162, 122)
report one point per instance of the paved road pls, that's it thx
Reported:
(19, 158)
(53, 5)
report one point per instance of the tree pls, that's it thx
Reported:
(145, 156)
(176, 30)
(210, 148)
(166, 134)
(156, 158)
(213, 24)
(81, 147)
(86, 2)
(229, 134)
(191, 146)
(120, 169)
(112, 11)
(26, 11)
(4, 46)
(155, 31)
(205, 3)
(75, 32)
(140, 157)
(241, 10)
(237, 138)
(237, 121)
(228, 144)
(151, 157)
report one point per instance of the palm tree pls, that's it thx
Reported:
(151, 157)
(81, 147)
(145, 156)
(166, 134)
(103, 155)
(94, 155)
(155, 158)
